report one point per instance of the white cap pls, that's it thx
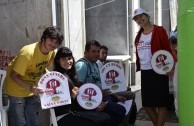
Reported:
(138, 12)
(173, 33)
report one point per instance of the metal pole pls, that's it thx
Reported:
(54, 17)
(135, 28)
(160, 12)
(65, 23)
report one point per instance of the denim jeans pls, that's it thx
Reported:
(116, 111)
(25, 110)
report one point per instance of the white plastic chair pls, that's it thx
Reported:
(3, 109)
(53, 117)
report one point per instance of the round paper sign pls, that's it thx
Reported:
(90, 96)
(162, 62)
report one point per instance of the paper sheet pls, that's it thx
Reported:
(127, 104)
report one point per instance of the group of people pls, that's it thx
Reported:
(32, 60)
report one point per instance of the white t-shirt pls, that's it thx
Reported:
(100, 64)
(144, 51)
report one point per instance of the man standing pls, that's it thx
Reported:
(128, 95)
(23, 73)
(88, 72)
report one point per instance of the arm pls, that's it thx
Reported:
(164, 40)
(16, 78)
(81, 69)
(119, 97)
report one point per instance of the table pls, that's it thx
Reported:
(122, 59)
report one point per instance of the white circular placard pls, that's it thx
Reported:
(90, 96)
(162, 62)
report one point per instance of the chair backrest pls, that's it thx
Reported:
(53, 117)
(2, 78)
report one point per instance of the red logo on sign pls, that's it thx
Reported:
(111, 75)
(90, 92)
(53, 84)
(160, 59)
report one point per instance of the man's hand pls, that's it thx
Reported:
(17, 79)
(36, 90)
(119, 98)
(74, 92)
(106, 92)
(102, 106)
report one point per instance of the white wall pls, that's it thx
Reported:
(21, 23)
(73, 22)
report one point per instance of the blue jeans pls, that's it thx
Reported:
(25, 110)
(116, 111)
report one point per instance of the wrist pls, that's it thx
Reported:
(33, 89)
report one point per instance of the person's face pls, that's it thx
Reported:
(141, 19)
(66, 62)
(49, 44)
(93, 53)
(174, 48)
(103, 54)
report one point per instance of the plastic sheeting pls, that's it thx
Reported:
(186, 62)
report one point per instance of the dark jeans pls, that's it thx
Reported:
(129, 96)
(116, 112)
(85, 118)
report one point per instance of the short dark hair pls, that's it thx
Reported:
(173, 40)
(104, 47)
(90, 43)
(53, 32)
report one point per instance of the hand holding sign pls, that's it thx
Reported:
(36, 90)
(162, 62)
(106, 92)
(90, 96)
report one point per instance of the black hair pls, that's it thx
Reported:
(62, 53)
(90, 43)
(53, 32)
(173, 40)
(104, 47)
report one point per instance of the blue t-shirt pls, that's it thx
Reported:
(88, 74)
